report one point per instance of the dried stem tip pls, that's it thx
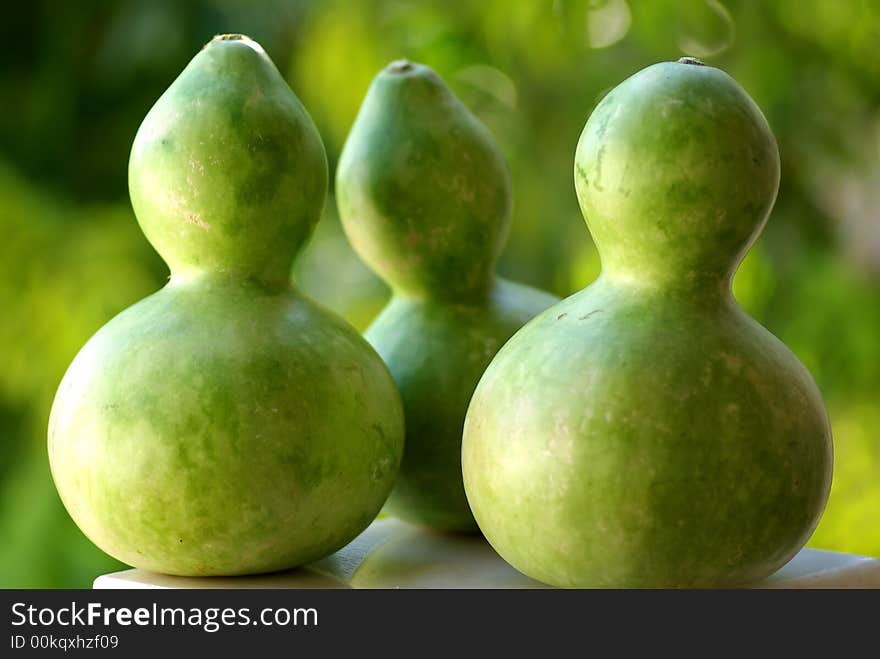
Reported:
(691, 60)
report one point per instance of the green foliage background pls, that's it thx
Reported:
(77, 78)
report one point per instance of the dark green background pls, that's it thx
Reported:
(77, 78)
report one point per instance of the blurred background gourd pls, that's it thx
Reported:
(424, 197)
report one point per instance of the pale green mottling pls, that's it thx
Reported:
(645, 432)
(226, 425)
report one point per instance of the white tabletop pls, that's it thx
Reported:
(392, 554)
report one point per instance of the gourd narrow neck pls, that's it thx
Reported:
(697, 286)
(475, 293)
(229, 278)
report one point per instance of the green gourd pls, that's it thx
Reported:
(424, 196)
(226, 424)
(646, 432)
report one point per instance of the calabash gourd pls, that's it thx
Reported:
(424, 197)
(645, 432)
(226, 424)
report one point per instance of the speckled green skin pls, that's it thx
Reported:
(424, 197)
(645, 432)
(226, 425)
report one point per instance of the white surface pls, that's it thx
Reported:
(392, 554)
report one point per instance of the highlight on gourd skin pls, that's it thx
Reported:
(226, 424)
(424, 196)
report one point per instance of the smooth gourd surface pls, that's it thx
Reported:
(424, 196)
(645, 432)
(226, 424)
(228, 172)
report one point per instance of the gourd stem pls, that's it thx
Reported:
(400, 66)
